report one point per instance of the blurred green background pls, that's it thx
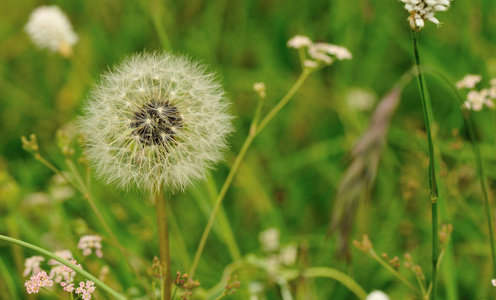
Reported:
(290, 175)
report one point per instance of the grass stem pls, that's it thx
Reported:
(432, 171)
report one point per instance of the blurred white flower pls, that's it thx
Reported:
(469, 81)
(259, 88)
(360, 99)
(88, 243)
(156, 121)
(65, 254)
(32, 265)
(492, 82)
(49, 28)
(288, 255)
(269, 239)
(493, 282)
(377, 295)
(319, 52)
(299, 41)
(421, 10)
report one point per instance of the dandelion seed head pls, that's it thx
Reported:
(169, 128)
(49, 28)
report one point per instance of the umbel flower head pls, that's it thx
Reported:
(49, 28)
(157, 120)
(421, 10)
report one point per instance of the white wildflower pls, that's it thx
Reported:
(88, 243)
(492, 82)
(65, 254)
(288, 255)
(310, 64)
(469, 81)
(32, 265)
(49, 28)
(269, 239)
(476, 100)
(299, 41)
(377, 295)
(493, 282)
(157, 120)
(259, 88)
(421, 10)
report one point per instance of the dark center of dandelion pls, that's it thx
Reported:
(157, 123)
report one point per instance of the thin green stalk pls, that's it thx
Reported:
(156, 12)
(163, 239)
(78, 270)
(339, 276)
(254, 131)
(479, 164)
(87, 195)
(432, 171)
(392, 270)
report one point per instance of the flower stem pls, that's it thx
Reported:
(163, 239)
(254, 131)
(469, 123)
(78, 270)
(432, 171)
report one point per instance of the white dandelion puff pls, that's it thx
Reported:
(421, 10)
(156, 121)
(49, 28)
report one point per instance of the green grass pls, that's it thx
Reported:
(289, 176)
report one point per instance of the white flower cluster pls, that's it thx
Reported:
(48, 27)
(421, 10)
(156, 121)
(476, 100)
(88, 243)
(377, 295)
(319, 52)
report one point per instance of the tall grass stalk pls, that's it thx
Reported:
(255, 129)
(163, 239)
(78, 270)
(432, 171)
(467, 117)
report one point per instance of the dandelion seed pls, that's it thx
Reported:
(469, 81)
(421, 10)
(37, 281)
(88, 243)
(377, 295)
(49, 28)
(167, 136)
(32, 265)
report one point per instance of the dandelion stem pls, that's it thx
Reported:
(64, 262)
(254, 131)
(163, 239)
(432, 171)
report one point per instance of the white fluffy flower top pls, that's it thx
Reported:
(48, 27)
(421, 10)
(156, 121)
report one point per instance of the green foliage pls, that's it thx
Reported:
(289, 177)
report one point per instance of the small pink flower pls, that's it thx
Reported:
(89, 242)
(37, 281)
(86, 289)
(493, 281)
(67, 287)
